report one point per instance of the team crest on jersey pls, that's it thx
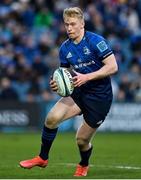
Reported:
(102, 46)
(69, 55)
(86, 50)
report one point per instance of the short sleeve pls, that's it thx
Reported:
(62, 56)
(101, 48)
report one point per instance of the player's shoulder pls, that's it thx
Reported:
(65, 44)
(93, 37)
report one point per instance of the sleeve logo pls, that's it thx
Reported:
(102, 46)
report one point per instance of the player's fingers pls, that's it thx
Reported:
(54, 87)
(77, 83)
(75, 78)
(52, 82)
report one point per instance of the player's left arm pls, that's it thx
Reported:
(110, 67)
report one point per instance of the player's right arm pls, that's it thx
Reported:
(63, 63)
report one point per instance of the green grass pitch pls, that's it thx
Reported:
(115, 156)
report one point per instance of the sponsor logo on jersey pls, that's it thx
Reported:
(80, 65)
(86, 50)
(69, 55)
(102, 46)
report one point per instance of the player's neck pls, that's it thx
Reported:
(79, 38)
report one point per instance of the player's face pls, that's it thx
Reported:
(74, 27)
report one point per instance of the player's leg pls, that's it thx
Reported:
(83, 138)
(94, 113)
(64, 109)
(60, 112)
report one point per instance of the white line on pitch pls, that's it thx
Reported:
(104, 166)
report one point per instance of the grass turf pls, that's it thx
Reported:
(115, 156)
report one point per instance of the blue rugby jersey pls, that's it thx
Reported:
(86, 57)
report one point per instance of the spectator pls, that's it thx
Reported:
(31, 32)
(7, 93)
(44, 17)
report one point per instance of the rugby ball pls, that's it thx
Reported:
(64, 82)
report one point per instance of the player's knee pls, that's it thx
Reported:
(81, 141)
(51, 120)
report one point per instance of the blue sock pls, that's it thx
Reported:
(48, 136)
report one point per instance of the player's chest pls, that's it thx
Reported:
(81, 54)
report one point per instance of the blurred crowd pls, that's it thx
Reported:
(32, 31)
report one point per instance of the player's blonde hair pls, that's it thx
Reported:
(73, 12)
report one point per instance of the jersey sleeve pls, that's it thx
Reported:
(102, 48)
(62, 56)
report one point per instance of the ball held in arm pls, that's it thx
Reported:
(64, 81)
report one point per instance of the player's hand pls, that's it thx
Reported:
(79, 79)
(53, 85)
